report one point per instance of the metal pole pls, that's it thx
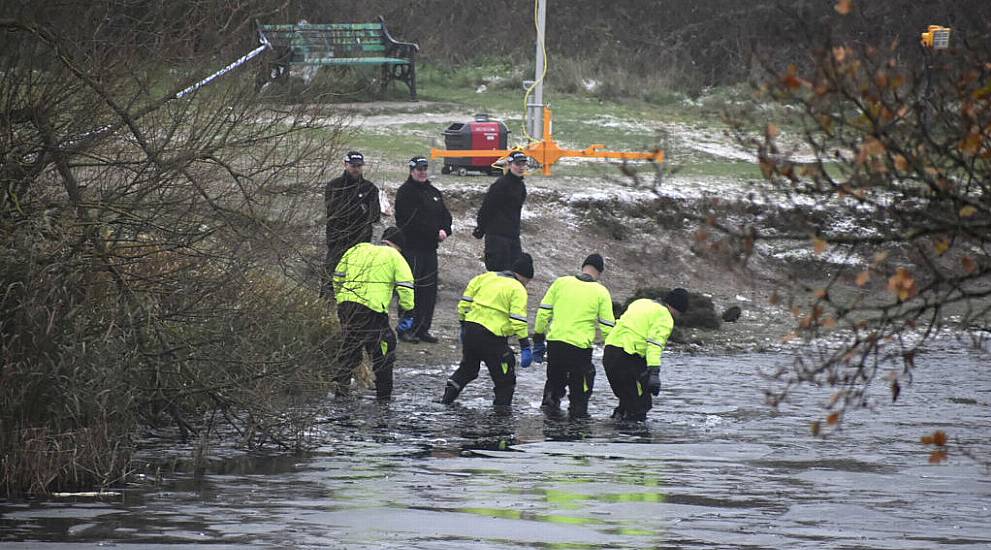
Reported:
(535, 109)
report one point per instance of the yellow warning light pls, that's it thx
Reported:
(936, 37)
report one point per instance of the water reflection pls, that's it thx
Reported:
(711, 468)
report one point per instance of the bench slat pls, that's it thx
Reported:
(350, 61)
(321, 27)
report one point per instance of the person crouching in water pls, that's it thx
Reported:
(574, 306)
(364, 281)
(632, 356)
(493, 308)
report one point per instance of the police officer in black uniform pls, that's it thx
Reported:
(498, 219)
(352, 204)
(425, 222)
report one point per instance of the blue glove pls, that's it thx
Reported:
(539, 350)
(406, 323)
(526, 358)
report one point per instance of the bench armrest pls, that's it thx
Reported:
(396, 48)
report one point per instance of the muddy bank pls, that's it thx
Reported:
(644, 239)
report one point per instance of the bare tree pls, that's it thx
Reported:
(879, 166)
(160, 255)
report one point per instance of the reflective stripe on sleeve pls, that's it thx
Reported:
(607, 323)
(546, 306)
(406, 285)
(340, 274)
(517, 317)
(467, 299)
(656, 343)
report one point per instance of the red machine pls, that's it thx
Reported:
(482, 134)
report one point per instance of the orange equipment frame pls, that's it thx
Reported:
(547, 151)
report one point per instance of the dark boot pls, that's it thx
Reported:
(551, 404)
(504, 397)
(578, 408)
(451, 393)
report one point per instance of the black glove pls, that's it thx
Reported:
(478, 233)
(654, 381)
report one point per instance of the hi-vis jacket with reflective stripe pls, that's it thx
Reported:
(574, 306)
(497, 301)
(368, 273)
(643, 330)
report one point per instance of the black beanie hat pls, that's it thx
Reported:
(394, 236)
(595, 260)
(678, 299)
(524, 266)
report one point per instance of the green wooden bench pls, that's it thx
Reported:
(335, 44)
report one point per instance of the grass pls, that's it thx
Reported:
(580, 119)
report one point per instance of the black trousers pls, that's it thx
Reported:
(479, 346)
(569, 368)
(501, 252)
(423, 263)
(627, 376)
(365, 330)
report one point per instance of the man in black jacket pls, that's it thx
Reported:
(352, 208)
(425, 222)
(498, 219)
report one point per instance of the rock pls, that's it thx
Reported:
(731, 314)
(701, 311)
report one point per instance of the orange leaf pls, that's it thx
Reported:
(971, 144)
(833, 419)
(940, 438)
(772, 130)
(938, 456)
(969, 265)
(863, 278)
(901, 162)
(902, 284)
(843, 7)
(819, 245)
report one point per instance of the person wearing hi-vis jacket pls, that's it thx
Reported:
(364, 282)
(492, 309)
(632, 356)
(572, 309)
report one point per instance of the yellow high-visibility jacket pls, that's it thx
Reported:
(497, 301)
(643, 330)
(574, 307)
(369, 273)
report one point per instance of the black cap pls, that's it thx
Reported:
(355, 158)
(524, 266)
(595, 260)
(678, 299)
(517, 156)
(418, 162)
(394, 236)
